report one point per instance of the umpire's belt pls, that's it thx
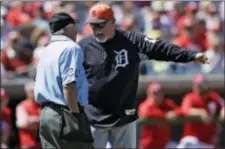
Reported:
(75, 127)
(57, 106)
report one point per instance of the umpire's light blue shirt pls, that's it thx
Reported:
(60, 64)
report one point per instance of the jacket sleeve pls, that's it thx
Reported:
(159, 50)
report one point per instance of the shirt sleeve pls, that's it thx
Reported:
(219, 101)
(22, 117)
(159, 50)
(186, 105)
(147, 112)
(171, 104)
(69, 63)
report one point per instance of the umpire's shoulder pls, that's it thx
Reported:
(73, 45)
(71, 48)
(86, 41)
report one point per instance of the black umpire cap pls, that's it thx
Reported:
(59, 21)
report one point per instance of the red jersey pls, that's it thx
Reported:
(16, 17)
(6, 115)
(28, 136)
(212, 104)
(11, 61)
(156, 136)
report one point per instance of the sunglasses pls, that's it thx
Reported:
(98, 25)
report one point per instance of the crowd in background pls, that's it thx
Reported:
(192, 25)
(25, 32)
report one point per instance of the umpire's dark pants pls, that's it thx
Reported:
(50, 129)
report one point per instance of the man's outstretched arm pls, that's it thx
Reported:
(159, 50)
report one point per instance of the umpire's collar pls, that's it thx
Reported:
(60, 38)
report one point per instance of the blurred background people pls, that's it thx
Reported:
(16, 57)
(205, 103)
(188, 24)
(5, 119)
(215, 53)
(157, 106)
(3, 72)
(27, 116)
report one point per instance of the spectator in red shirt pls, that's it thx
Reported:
(185, 39)
(16, 15)
(198, 31)
(191, 9)
(156, 106)
(5, 119)
(14, 59)
(199, 34)
(178, 12)
(27, 114)
(206, 104)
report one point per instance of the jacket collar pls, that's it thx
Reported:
(60, 38)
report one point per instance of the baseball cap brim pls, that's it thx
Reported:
(96, 21)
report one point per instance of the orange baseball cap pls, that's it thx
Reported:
(100, 13)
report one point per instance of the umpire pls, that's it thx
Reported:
(61, 88)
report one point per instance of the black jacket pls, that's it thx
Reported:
(112, 69)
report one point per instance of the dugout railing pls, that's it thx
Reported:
(172, 84)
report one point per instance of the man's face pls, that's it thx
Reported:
(158, 97)
(102, 31)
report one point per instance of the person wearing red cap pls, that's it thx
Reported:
(5, 120)
(206, 104)
(157, 106)
(112, 58)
